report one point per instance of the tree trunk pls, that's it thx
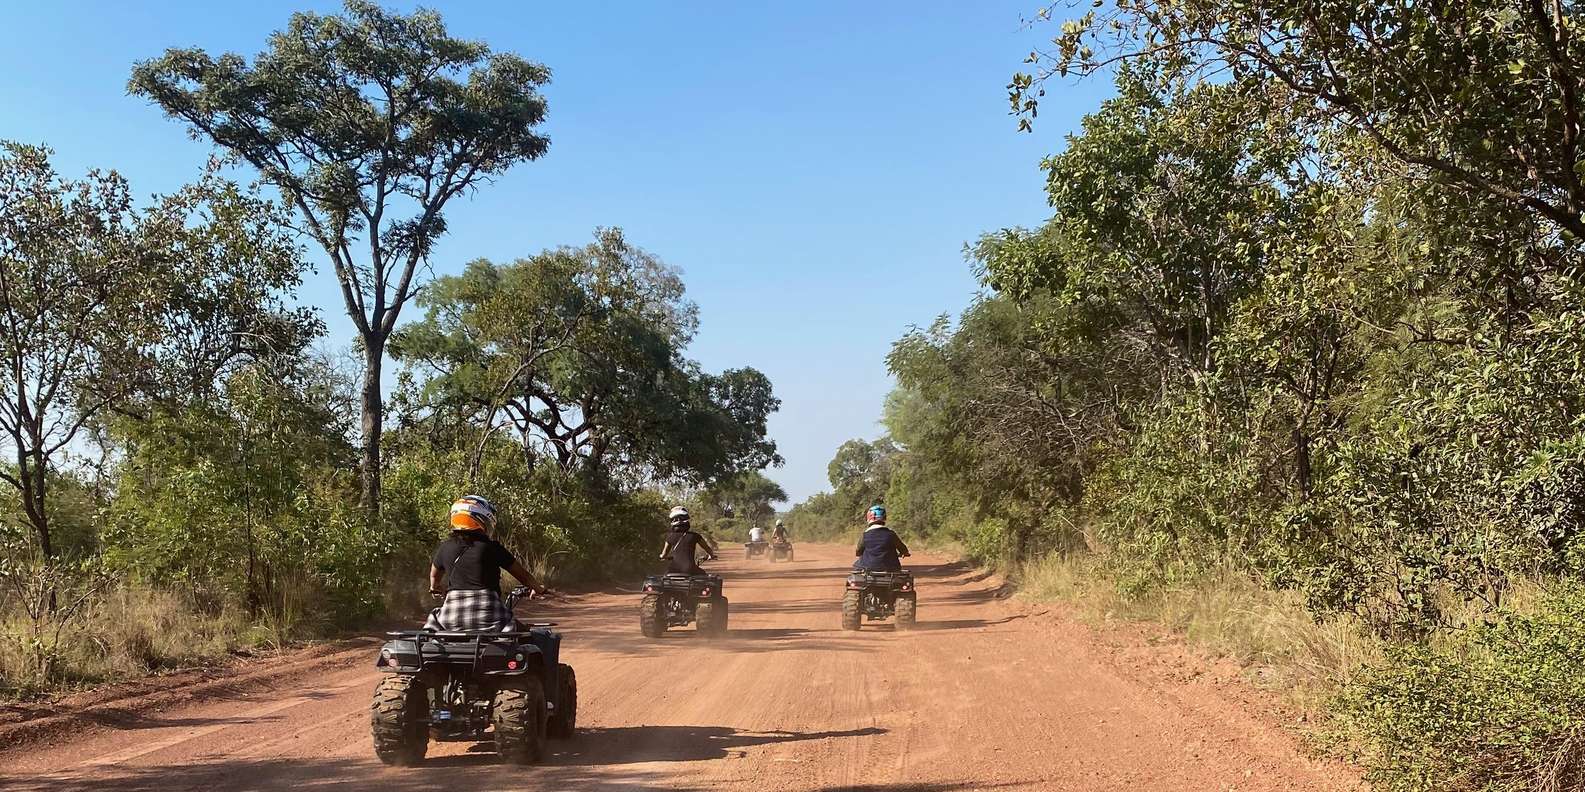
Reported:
(1301, 454)
(33, 498)
(373, 403)
(31, 472)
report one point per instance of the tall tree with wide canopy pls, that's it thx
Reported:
(369, 123)
(577, 352)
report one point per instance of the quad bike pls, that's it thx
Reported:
(752, 549)
(781, 550)
(458, 686)
(877, 595)
(674, 600)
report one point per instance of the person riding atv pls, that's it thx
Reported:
(681, 545)
(780, 533)
(879, 548)
(471, 563)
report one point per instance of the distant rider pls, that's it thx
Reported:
(880, 547)
(781, 531)
(682, 544)
(756, 534)
(471, 563)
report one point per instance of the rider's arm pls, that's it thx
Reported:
(902, 549)
(858, 549)
(434, 579)
(516, 570)
(665, 549)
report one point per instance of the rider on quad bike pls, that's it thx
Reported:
(682, 543)
(473, 673)
(880, 547)
(878, 588)
(471, 563)
(780, 534)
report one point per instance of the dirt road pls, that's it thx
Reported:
(986, 694)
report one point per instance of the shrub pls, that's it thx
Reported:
(1498, 707)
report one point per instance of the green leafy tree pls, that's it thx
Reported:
(369, 123)
(105, 306)
(577, 352)
(1483, 95)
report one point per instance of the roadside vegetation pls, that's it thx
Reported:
(191, 469)
(1295, 366)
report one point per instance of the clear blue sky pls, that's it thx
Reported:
(813, 168)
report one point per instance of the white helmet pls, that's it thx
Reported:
(780, 524)
(678, 516)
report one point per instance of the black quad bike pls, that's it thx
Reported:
(879, 595)
(755, 549)
(674, 600)
(781, 551)
(458, 686)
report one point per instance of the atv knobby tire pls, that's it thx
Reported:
(711, 616)
(651, 621)
(565, 721)
(520, 720)
(398, 719)
(907, 611)
(851, 617)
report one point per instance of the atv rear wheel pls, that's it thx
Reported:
(711, 616)
(565, 721)
(850, 611)
(907, 611)
(520, 720)
(651, 621)
(399, 712)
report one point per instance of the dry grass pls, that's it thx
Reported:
(1229, 614)
(130, 631)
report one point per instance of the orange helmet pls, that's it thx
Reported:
(472, 513)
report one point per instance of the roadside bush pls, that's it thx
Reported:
(1497, 707)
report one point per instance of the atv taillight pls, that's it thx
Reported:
(649, 588)
(704, 593)
(511, 665)
(907, 586)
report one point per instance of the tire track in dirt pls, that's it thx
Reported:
(986, 694)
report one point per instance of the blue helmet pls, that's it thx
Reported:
(876, 515)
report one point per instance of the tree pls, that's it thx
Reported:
(1483, 94)
(358, 119)
(750, 496)
(577, 352)
(103, 305)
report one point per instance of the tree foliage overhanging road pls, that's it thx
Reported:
(1308, 307)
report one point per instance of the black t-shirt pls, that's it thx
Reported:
(682, 547)
(472, 561)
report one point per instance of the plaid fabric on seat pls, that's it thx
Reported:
(470, 610)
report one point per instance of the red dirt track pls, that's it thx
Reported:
(986, 694)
